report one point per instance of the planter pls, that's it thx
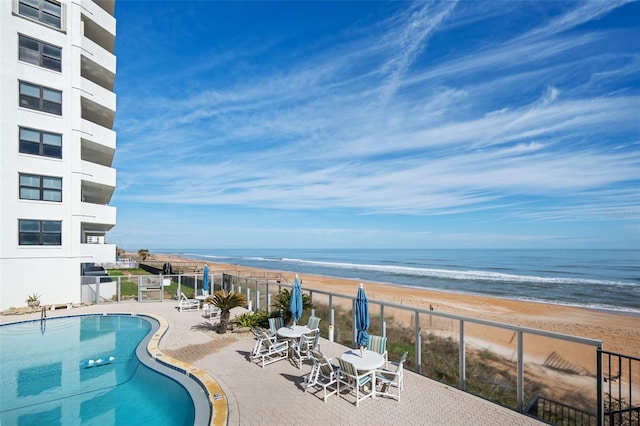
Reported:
(34, 304)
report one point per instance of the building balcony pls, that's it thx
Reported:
(108, 5)
(97, 183)
(98, 143)
(96, 220)
(97, 64)
(99, 25)
(97, 253)
(97, 173)
(98, 104)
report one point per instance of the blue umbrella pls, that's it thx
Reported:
(362, 317)
(295, 303)
(205, 279)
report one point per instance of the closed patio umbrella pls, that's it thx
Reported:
(205, 279)
(295, 303)
(362, 318)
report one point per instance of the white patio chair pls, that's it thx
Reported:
(313, 323)
(258, 347)
(323, 374)
(187, 304)
(269, 351)
(304, 345)
(378, 344)
(274, 324)
(210, 311)
(362, 384)
(391, 381)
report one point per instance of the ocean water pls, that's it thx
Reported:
(602, 279)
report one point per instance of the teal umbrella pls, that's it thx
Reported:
(295, 303)
(362, 317)
(205, 279)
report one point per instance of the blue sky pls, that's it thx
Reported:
(432, 124)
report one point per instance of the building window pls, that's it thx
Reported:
(37, 142)
(43, 188)
(40, 98)
(40, 232)
(46, 11)
(40, 53)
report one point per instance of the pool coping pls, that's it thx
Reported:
(217, 398)
(218, 404)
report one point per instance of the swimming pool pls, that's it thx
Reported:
(91, 370)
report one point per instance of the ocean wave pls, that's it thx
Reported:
(466, 275)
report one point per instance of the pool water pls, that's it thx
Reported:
(45, 379)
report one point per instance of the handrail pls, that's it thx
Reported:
(43, 318)
(511, 327)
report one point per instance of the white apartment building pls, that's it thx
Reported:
(57, 106)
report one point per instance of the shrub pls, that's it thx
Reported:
(257, 319)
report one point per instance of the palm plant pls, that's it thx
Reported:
(282, 301)
(143, 253)
(226, 301)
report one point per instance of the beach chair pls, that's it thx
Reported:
(268, 351)
(391, 380)
(187, 304)
(323, 374)
(362, 384)
(378, 344)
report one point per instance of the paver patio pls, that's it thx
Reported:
(275, 395)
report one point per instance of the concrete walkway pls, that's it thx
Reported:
(275, 395)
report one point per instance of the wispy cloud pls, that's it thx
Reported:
(378, 124)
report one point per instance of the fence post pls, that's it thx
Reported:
(331, 314)
(462, 370)
(383, 329)
(118, 289)
(599, 378)
(520, 374)
(331, 304)
(418, 343)
(257, 293)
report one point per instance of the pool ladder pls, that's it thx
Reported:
(43, 318)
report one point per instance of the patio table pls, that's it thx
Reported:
(292, 333)
(366, 361)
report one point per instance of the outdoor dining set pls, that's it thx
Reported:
(364, 372)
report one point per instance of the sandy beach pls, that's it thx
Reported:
(619, 332)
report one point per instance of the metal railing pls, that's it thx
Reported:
(458, 350)
(621, 388)
(555, 412)
(469, 353)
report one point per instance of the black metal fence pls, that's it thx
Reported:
(557, 413)
(620, 381)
